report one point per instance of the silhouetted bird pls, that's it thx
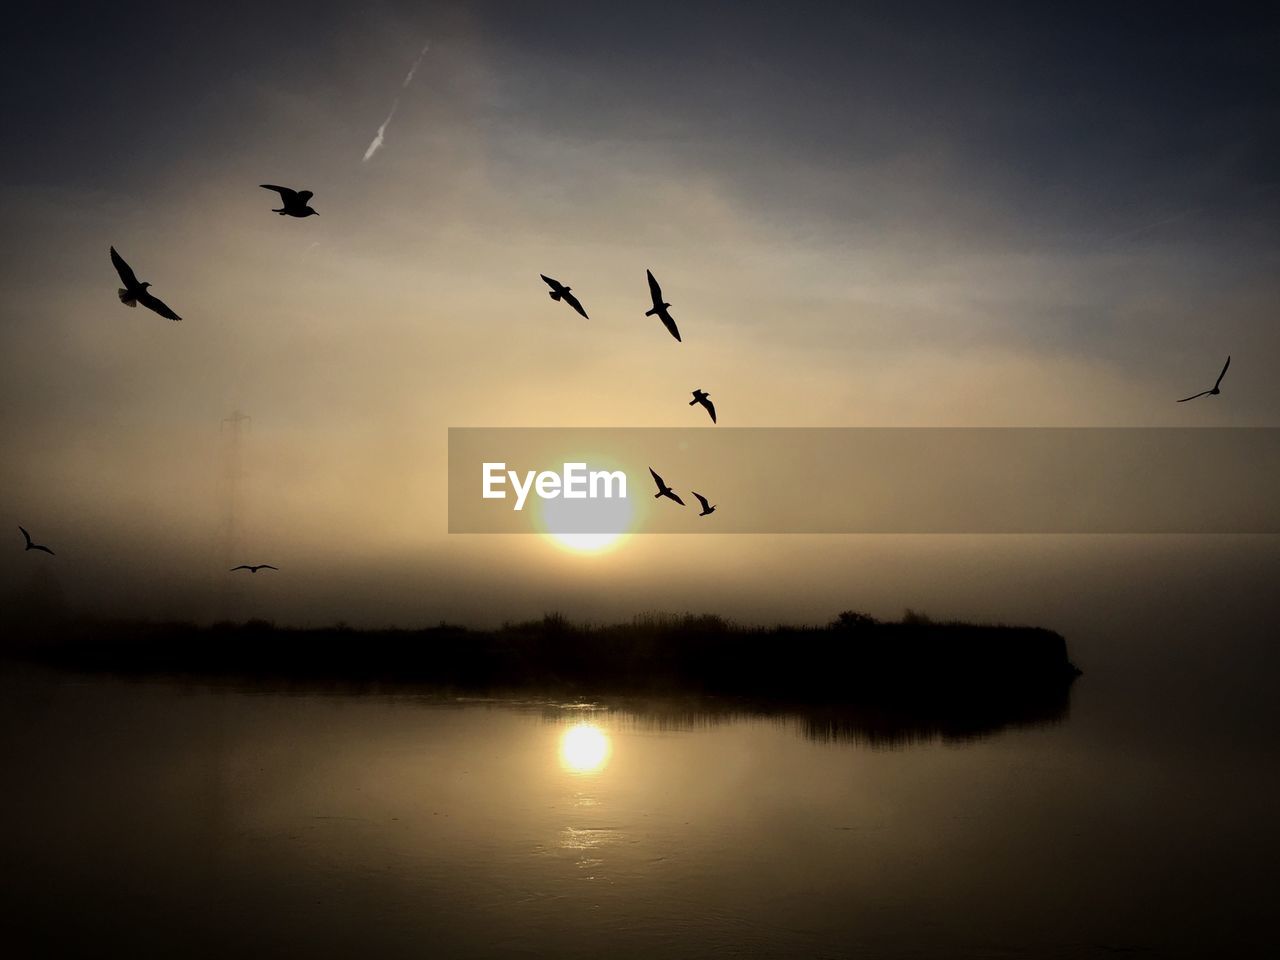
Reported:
(253, 568)
(704, 398)
(664, 490)
(294, 202)
(1215, 391)
(135, 293)
(560, 292)
(34, 546)
(707, 509)
(660, 306)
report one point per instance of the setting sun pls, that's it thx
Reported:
(588, 542)
(587, 526)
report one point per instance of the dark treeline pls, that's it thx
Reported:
(952, 678)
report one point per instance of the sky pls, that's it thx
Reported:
(873, 214)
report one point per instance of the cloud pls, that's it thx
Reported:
(379, 138)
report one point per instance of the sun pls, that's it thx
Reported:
(588, 542)
(587, 526)
(584, 748)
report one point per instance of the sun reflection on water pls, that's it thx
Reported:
(584, 748)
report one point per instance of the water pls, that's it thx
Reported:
(177, 819)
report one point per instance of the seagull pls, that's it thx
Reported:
(660, 306)
(664, 490)
(134, 293)
(560, 292)
(704, 398)
(253, 567)
(34, 546)
(707, 509)
(294, 203)
(1215, 391)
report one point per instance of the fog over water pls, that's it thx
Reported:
(862, 218)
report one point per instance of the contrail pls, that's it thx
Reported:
(408, 77)
(376, 143)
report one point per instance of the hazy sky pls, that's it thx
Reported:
(865, 214)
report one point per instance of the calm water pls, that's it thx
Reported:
(163, 818)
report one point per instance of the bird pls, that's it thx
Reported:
(560, 292)
(664, 490)
(294, 203)
(253, 567)
(704, 398)
(1215, 391)
(660, 307)
(134, 293)
(34, 546)
(707, 509)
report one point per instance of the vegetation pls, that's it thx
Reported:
(855, 657)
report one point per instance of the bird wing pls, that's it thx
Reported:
(711, 408)
(555, 285)
(26, 535)
(655, 291)
(304, 196)
(669, 322)
(125, 271)
(701, 499)
(243, 566)
(267, 566)
(288, 197)
(572, 301)
(37, 546)
(1193, 396)
(1222, 374)
(675, 496)
(657, 479)
(158, 305)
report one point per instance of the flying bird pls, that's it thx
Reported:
(34, 546)
(707, 509)
(664, 490)
(704, 398)
(253, 567)
(560, 292)
(1215, 391)
(134, 293)
(660, 306)
(294, 203)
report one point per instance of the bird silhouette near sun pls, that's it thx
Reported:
(560, 292)
(253, 567)
(1212, 391)
(293, 203)
(704, 398)
(31, 545)
(659, 308)
(663, 489)
(134, 293)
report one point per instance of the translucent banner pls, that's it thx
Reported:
(860, 480)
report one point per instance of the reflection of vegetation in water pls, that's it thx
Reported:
(854, 679)
(876, 725)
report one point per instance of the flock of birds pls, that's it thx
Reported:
(297, 203)
(660, 309)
